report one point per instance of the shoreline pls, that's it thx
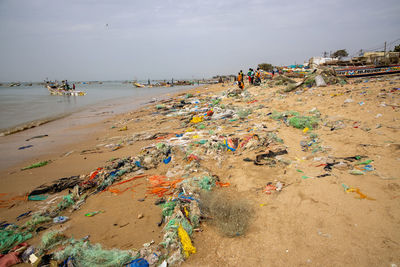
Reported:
(40, 121)
(92, 115)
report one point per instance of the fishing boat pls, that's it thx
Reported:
(56, 89)
(138, 85)
(353, 72)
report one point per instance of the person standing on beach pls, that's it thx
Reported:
(258, 76)
(240, 80)
(73, 86)
(252, 76)
(249, 74)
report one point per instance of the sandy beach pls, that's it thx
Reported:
(323, 215)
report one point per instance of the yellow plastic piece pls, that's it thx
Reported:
(187, 246)
(186, 212)
(305, 130)
(197, 119)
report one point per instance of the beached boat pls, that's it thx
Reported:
(55, 90)
(138, 85)
(353, 72)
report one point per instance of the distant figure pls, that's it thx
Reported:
(249, 75)
(148, 82)
(258, 76)
(240, 80)
(73, 86)
(272, 72)
(252, 76)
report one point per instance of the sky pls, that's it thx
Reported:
(186, 39)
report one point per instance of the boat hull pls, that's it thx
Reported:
(60, 91)
(367, 71)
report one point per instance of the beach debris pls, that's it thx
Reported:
(37, 136)
(24, 147)
(60, 219)
(13, 256)
(187, 246)
(24, 215)
(138, 263)
(93, 213)
(57, 185)
(36, 165)
(37, 197)
(270, 187)
(348, 189)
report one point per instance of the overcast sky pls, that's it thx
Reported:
(160, 39)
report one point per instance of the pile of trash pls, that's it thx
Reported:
(319, 77)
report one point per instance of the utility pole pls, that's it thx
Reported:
(384, 53)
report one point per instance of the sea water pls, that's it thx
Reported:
(23, 104)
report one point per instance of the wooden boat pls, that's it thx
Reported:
(138, 85)
(353, 72)
(54, 90)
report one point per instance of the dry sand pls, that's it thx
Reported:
(311, 222)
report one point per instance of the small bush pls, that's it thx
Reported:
(230, 216)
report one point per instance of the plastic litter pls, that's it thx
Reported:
(60, 219)
(24, 215)
(37, 136)
(87, 255)
(319, 81)
(356, 172)
(24, 147)
(36, 165)
(167, 160)
(37, 197)
(10, 238)
(93, 213)
(187, 246)
(138, 263)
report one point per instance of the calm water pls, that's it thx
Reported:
(23, 104)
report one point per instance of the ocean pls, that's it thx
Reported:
(22, 105)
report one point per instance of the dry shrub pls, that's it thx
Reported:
(230, 215)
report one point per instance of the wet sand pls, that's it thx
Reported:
(311, 222)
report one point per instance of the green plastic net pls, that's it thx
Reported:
(66, 202)
(52, 239)
(207, 183)
(11, 238)
(168, 208)
(301, 122)
(87, 255)
(35, 221)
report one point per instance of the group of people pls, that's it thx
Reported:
(254, 77)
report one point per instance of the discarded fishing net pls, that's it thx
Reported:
(231, 216)
(207, 183)
(243, 113)
(168, 208)
(35, 221)
(87, 255)
(301, 122)
(66, 202)
(174, 224)
(274, 137)
(280, 115)
(52, 239)
(282, 80)
(57, 185)
(11, 238)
